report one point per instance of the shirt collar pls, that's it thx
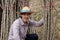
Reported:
(22, 23)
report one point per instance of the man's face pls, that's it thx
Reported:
(25, 17)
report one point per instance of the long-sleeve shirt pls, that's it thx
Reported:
(19, 29)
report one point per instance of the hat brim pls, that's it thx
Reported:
(24, 12)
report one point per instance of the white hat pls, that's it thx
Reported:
(25, 10)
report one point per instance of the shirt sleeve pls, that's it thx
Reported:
(10, 37)
(35, 23)
(16, 35)
(15, 27)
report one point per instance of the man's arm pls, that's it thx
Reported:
(37, 24)
(15, 30)
(10, 37)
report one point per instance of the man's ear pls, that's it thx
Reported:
(20, 16)
(30, 17)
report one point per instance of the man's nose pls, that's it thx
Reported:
(27, 15)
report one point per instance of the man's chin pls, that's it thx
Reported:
(26, 20)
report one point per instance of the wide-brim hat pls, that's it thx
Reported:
(25, 10)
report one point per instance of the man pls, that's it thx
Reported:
(19, 27)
